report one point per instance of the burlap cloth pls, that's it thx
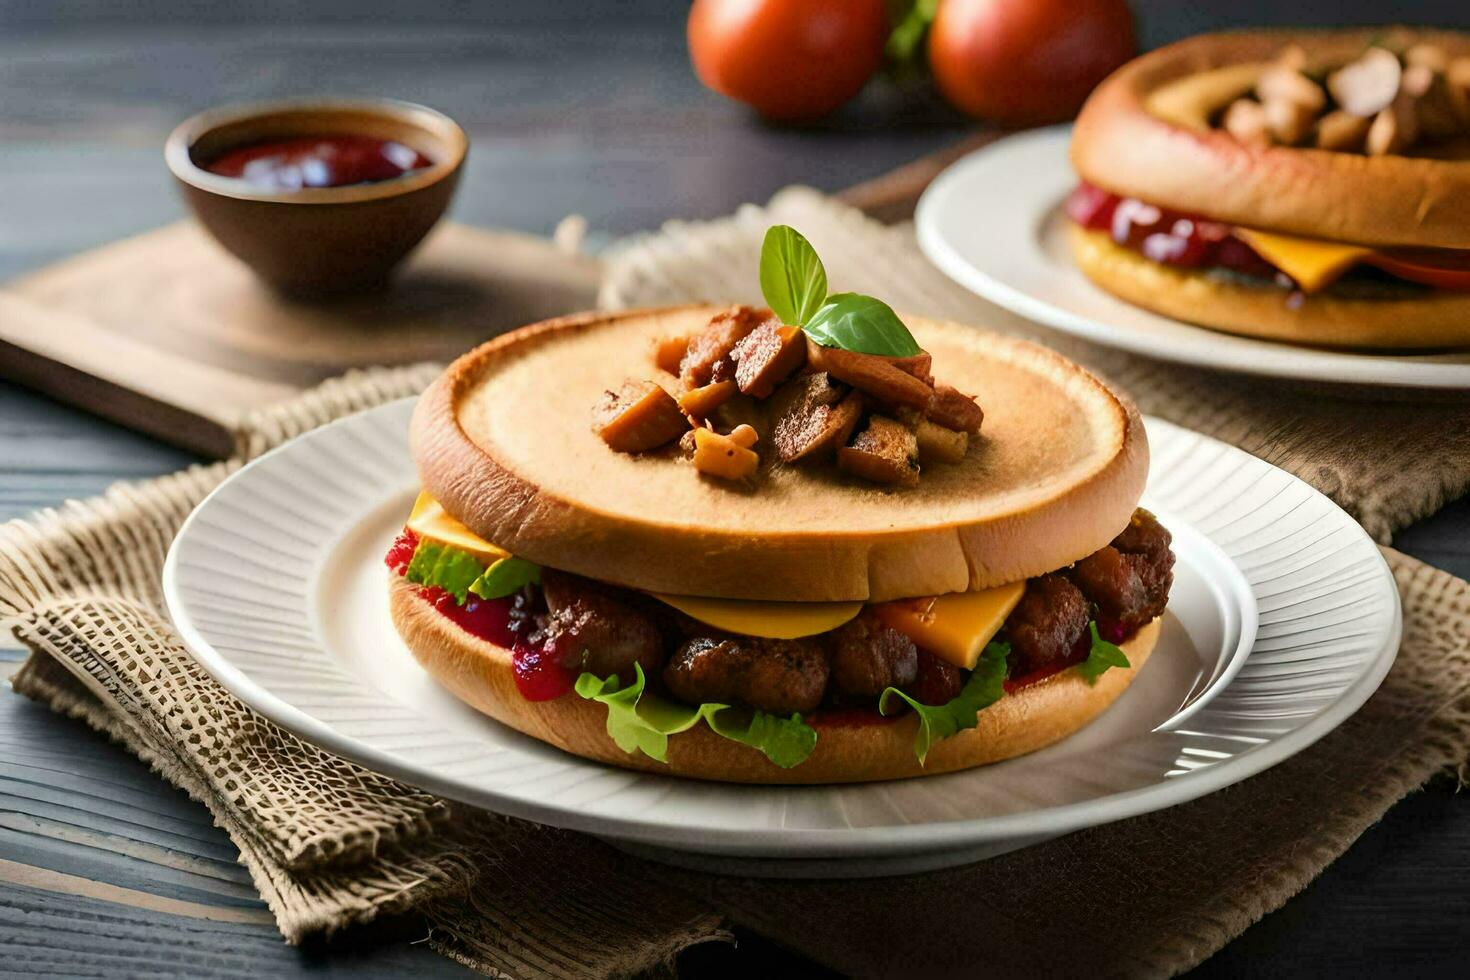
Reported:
(331, 846)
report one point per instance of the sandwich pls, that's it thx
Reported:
(810, 542)
(1310, 187)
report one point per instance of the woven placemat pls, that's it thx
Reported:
(332, 846)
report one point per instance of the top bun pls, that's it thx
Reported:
(503, 439)
(1146, 133)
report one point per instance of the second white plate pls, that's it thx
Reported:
(1282, 620)
(993, 223)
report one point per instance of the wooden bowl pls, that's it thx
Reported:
(318, 240)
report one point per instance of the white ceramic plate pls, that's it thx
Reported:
(1283, 620)
(993, 223)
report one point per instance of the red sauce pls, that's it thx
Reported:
(401, 552)
(539, 675)
(319, 161)
(1164, 236)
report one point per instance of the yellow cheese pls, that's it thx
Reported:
(776, 620)
(953, 627)
(1312, 264)
(429, 519)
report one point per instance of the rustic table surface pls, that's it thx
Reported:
(574, 106)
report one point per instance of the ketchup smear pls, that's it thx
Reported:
(538, 675)
(1168, 237)
(319, 161)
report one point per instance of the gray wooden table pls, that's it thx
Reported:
(574, 106)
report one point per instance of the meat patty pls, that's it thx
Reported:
(1047, 625)
(779, 676)
(935, 681)
(868, 656)
(590, 628)
(1129, 580)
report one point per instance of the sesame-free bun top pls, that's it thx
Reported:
(504, 440)
(1145, 132)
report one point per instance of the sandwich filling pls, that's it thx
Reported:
(1297, 266)
(772, 675)
(812, 380)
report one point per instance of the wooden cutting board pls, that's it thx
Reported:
(168, 334)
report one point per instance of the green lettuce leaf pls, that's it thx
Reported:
(1101, 657)
(638, 721)
(785, 741)
(984, 687)
(506, 576)
(450, 569)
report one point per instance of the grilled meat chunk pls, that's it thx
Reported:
(936, 681)
(767, 356)
(884, 452)
(954, 410)
(590, 628)
(878, 376)
(668, 353)
(700, 403)
(640, 417)
(868, 656)
(1129, 580)
(779, 676)
(1048, 625)
(812, 416)
(708, 356)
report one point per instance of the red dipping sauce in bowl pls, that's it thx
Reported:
(335, 160)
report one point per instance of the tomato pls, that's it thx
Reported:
(1443, 267)
(1026, 62)
(790, 59)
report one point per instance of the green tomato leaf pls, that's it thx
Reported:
(1101, 657)
(861, 324)
(450, 569)
(505, 577)
(792, 278)
(985, 686)
(911, 22)
(640, 721)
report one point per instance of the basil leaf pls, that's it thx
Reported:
(640, 721)
(506, 576)
(1102, 656)
(985, 686)
(792, 278)
(863, 325)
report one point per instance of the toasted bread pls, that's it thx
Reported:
(1421, 319)
(1146, 133)
(504, 441)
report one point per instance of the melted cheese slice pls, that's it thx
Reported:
(1313, 265)
(953, 627)
(429, 519)
(775, 620)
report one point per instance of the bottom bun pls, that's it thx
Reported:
(479, 673)
(1427, 319)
